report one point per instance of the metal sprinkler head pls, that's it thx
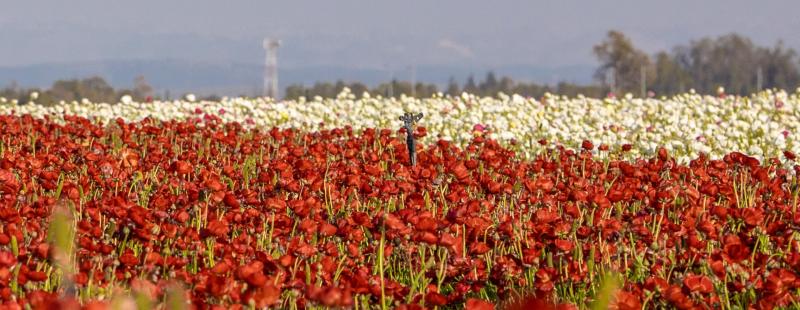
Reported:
(409, 120)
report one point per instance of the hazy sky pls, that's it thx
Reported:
(373, 33)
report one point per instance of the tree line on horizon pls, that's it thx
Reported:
(731, 61)
(491, 85)
(95, 88)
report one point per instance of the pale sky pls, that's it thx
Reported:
(373, 33)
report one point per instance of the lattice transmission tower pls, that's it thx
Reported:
(271, 67)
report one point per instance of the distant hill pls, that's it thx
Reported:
(179, 76)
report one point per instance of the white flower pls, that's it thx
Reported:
(127, 99)
(34, 95)
(191, 97)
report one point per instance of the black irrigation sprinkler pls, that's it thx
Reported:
(409, 120)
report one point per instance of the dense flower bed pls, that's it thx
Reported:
(762, 125)
(288, 219)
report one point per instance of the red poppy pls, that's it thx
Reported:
(564, 245)
(427, 237)
(447, 240)
(7, 259)
(733, 249)
(587, 145)
(627, 147)
(460, 171)
(265, 296)
(37, 276)
(435, 299)
(129, 259)
(698, 283)
(8, 183)
(544, 216)
(327, 230)
(477, 304)
(478, 248)
(221, 268)
(626, 301)
(753, 216)
(218, 228)
(780, 281)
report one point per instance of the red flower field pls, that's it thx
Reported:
(215, 216)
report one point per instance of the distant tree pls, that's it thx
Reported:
(323, 89)
(573, 90)
(671, 77)
(11, 91)
(294, 92)
(530, 89)
(506, 85)
(212, 97)
(779, 67)
(358, 89)
(66, 90)
(44, 98)
(386, 89)
(621, 59)
(452, 87)
(489, 87)
(729, 61)
(338, 87)
(423, 90)
(329, 90)
(399, 87)
(471, 87)
(94, 88)
(97, 88)
(141, 89)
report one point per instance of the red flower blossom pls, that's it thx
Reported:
(627, 147)
(37, 276)
(587, 145)
(7, 259)
(477, 304)
(8, 183)
(564, 245)
(698, 283)
(752, 216)
(435, 299)
(218, 228)
(460, 171)
(265, 296)
(626, 301)
(478, 248)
